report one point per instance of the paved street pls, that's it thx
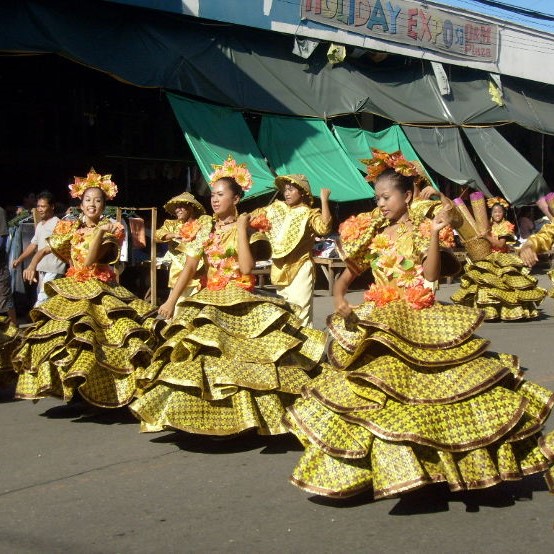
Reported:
(76, 482)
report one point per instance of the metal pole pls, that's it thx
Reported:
(153, 268)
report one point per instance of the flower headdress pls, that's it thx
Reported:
(93, 180)
(497, 200)
(383, 160)
(230, 168)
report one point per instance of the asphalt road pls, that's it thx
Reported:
(73, 481)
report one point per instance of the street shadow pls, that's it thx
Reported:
(437, 498)
(82, 412)
(7, 390)
(242, 442)
(503, 495)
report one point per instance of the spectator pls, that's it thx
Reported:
(43, 267)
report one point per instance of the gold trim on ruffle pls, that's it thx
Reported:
(464, 352)
(412, 385)
(424, 419)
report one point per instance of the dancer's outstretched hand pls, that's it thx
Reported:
(528, 256)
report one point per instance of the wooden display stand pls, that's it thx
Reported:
(331, 268)
(153, 291)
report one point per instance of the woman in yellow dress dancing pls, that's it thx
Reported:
(499, 283)
(91, 334)
(411, 395)
(232, 360)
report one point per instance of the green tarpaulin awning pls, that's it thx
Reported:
(303, 145)
(443, 149)
(357, 143)
(213, 132)
(517, 179)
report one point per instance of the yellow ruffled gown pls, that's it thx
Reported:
(411, 395)
(500, 284)
(91, 335)
(8, 342)
(232, 360)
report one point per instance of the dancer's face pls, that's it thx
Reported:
(183, 212)
(93, 204)
(391, 200)
(292, 195)
(223, 199)
(497, 213)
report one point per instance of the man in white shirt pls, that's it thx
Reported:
(42, 268)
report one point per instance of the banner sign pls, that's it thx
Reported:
(408, 22)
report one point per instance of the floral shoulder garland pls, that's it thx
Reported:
(189, 230)
(404, 276)
(503, 229)
(446, 235)
(260, 222)
(223, 266)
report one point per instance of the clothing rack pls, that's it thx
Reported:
(153, 223)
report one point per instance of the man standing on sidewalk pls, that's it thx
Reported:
(43, 268)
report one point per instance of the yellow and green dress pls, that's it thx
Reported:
(232, 360)
(291, 232)
(500, 284)
(411, 396)
(92, 334)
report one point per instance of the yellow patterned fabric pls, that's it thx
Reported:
(90, 336)
(292, 237)
(8, 342)
(232, 361)
(504, 230)
(501, 286)
(175, 254)
(409, 413)
(542, 240)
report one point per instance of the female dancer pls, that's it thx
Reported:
(498, 283)
(292, 227)
(175, 232)
(421, 401)
(232, 360)
(91, 333)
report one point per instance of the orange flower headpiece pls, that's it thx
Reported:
(383, 160)
(230, 168)
(497, 200)
(93, 180)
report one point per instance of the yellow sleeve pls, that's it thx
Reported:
(356, 234)
(258, 211)
(425, 208)
(162, 231)
(318, 225)
(60, 239)
(195, 248)
(542, 240)
(114, 239)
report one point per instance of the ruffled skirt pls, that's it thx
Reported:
(501, 286)
(8, 342)
(231, 361)
(88, 336)
(414, 398)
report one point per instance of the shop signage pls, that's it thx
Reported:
(408, 22)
